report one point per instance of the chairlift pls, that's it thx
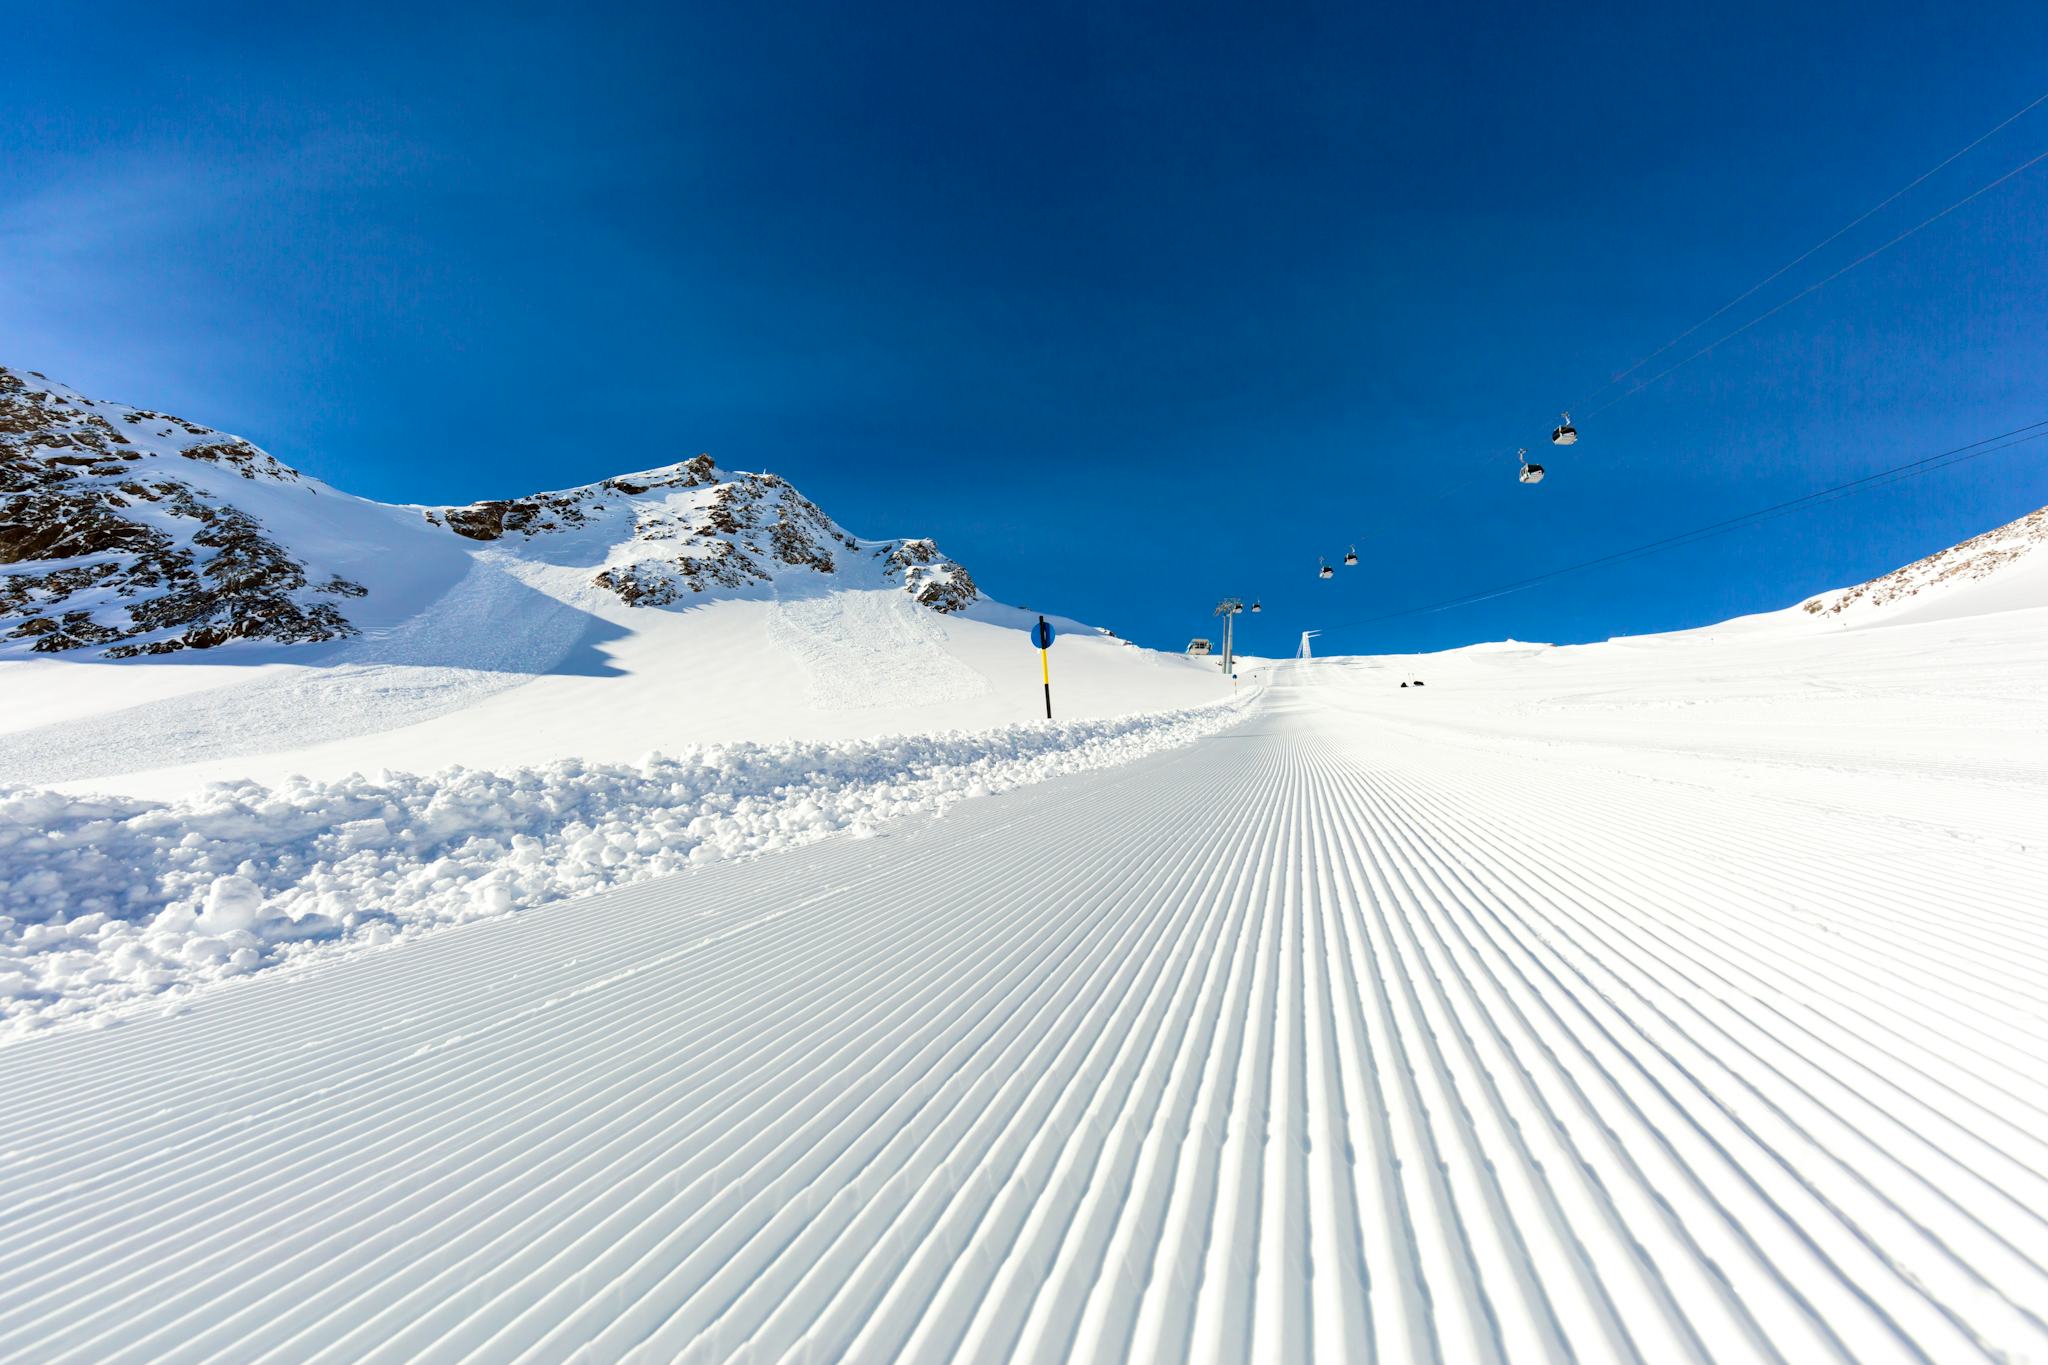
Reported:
(1351, 555)
(1565, 434)
(1326, 571)
(1531, 473)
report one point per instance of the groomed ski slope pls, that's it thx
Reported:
(1354, 1032)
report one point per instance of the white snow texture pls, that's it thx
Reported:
(110, 899)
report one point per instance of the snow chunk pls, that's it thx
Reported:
(232, 902)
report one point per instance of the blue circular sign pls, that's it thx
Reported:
(1041, 634)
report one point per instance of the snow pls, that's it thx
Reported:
(2004, 569)
(511, 650)
(507, 653)
(1664, 999)
(549, 682)
(112, 900)
(478, 745)
(1668, 998)
(383, 547)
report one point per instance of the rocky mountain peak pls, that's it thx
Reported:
(130, 532)
(691, 528)
(118, 546)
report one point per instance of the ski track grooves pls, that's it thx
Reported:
(1319, 1040)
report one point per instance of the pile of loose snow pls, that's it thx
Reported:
(114, 899)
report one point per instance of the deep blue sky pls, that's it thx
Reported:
(1129, 306)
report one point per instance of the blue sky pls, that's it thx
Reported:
(1129, 306)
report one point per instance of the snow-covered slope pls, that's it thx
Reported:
(1671, 998)
(178, 607)
(1358, 1033)
(2002, 570)
(418, 715)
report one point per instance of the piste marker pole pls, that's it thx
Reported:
(1042, 637)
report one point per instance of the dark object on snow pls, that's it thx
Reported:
(1404, 684)
(1418, 682)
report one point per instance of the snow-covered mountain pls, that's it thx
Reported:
(691, 528)
(128, 532)
(176, 606)
(123, 533)
(2001, 570)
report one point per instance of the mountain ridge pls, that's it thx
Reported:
(1944, 574)
(127, 532)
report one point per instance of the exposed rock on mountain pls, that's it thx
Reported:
(115, 546)
(695, 528)
(934, 580)
(131, 532)
(1974, 560)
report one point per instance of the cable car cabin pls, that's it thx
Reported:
(1351, 555)
(1532, 473)
(1257, 608)
(1198, 648)
(1565, 433)
(1326, 572)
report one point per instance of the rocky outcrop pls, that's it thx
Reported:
(127, 532)
(697, 529)
(1975, 558)
(934, 580)
(107, 548)
(733, 535)
(541, 513)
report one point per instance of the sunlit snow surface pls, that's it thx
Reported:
(116, 899)
(1666, 999)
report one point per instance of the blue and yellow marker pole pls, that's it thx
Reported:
(1041, 635)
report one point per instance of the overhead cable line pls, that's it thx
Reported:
(1443, 493)
(1822, 283)
(1829, 240)
(1480, 472)
(2018, 436)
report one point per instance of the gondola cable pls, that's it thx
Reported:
(1839, 233)
(1822, 283)
(1809, 290)
(2018, 436)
